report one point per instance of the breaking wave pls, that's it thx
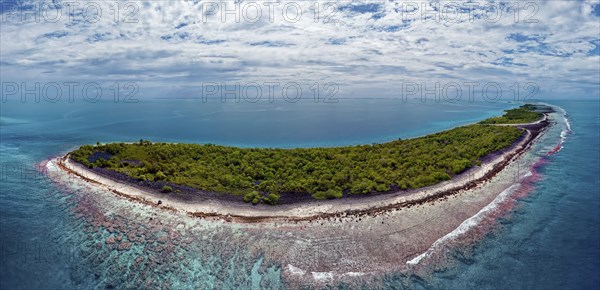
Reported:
(465, 226)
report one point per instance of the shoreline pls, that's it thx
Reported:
(314, 210)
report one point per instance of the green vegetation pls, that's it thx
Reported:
(524, 114)
(272, 198)
(166, 189)
(261, 175)
(253, 196)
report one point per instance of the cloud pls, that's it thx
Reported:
(373, 45)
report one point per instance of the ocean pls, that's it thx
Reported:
(549, 240)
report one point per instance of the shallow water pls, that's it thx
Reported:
(50, 236)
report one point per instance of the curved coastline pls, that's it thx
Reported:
(313, 210)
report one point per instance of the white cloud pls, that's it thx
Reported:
(377, 46)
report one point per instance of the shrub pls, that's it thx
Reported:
(160, 175)
(272, 199)
(329, 194)
(381, 187)
(252, 197)
(166, 189)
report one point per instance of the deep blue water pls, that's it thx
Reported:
(551, 241)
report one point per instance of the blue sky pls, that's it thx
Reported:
(369, 48)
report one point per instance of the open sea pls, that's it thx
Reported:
(550, 240)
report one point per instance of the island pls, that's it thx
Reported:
(525, 114)
(188, 176)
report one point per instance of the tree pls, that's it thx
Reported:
(272, 199)
(329, 194)
(251, 196)
(160, 175)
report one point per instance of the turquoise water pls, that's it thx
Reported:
(263, 124)
(550, 240)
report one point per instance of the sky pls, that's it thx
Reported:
(357, 49)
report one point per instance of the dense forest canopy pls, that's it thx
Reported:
(263, 174)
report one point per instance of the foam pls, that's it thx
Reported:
(322, 276)
(295, 270)
(353, 274)
(466, 225)
(564, 133)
